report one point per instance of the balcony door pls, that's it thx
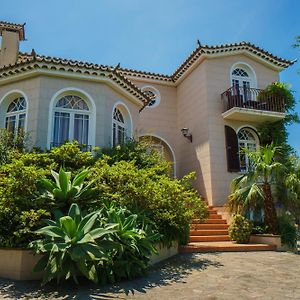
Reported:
(242, 84)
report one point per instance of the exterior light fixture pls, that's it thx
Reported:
(186, 134)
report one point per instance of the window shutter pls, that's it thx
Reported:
(232, 150)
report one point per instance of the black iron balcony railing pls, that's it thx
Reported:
(84, 148)
(251, 99)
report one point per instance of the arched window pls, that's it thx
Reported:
(153, 94)
(243, 79)
(15, 117)
(119, 127)
(248, 139)
(71, 120)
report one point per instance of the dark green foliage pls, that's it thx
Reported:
(62, 192)
(170, 203)
(70, 157)
(240, 229)
(141, 184)
(72, 245)
(259, 228)
(10, 143)
(138, 152)
(276, 132)
(106, 245)
(134, 238)
(287, 230)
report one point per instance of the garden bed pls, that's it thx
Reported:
(164, 252)
(17, 264)
(269, 239)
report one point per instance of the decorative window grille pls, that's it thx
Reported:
(15, 117)
(71, 120)
(119, 128)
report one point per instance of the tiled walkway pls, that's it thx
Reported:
(242, 275)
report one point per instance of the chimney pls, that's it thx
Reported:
(11, 34)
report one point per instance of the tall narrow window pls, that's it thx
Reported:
(71, 121)
(16, 116)
(247, 139)
(119, 128)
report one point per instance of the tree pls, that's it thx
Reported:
(255, 187)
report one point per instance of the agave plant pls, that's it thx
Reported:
(135, 237)
(64, 191)
(73, 245)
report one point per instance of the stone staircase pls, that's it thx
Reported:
(211, 235)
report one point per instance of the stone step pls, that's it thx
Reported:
(212, 211)
(224, 246)
(202, 232)
(209, 221)
(208, 226)
(214, 216)
(209, 238)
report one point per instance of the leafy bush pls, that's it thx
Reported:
(287, 230)
(134, 238)
(72, 246)
(170, 203)
(240, 229)
(21, 206)
(63, 191)
(140, 184)
(141, 153)
(106, 245)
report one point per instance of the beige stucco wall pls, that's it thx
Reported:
(194, 103)
(40, 90)
(161, 121)
(218, 80)
(192, 113)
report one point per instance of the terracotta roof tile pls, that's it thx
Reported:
(31, 61)
(13, 27)
(205, 49)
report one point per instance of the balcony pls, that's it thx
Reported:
(251, 105)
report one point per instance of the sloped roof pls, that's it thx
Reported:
(28, 62)
(229, 48)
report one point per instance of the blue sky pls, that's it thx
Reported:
(157, 35)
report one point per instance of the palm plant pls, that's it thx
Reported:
(289, 189)
(255, 187)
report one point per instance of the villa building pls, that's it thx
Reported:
(199, 116)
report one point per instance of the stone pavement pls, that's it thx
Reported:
(212, 276)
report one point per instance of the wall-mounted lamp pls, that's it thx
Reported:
(186, 134)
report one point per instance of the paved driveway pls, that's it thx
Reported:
(252, 275)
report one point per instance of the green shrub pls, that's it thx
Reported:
(21, 206)
(240, 229)
(170, 203)
(70, 157)
(141, 153)
(287, 230)
(106, 245)
(135, 239)
(72, 245)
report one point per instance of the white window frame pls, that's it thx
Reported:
(6, 100)
(155, 92)
(72, 112)
(92, 111)
(123, 108)
(246, 144)
(16, 114)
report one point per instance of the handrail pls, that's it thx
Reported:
(251, 98)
